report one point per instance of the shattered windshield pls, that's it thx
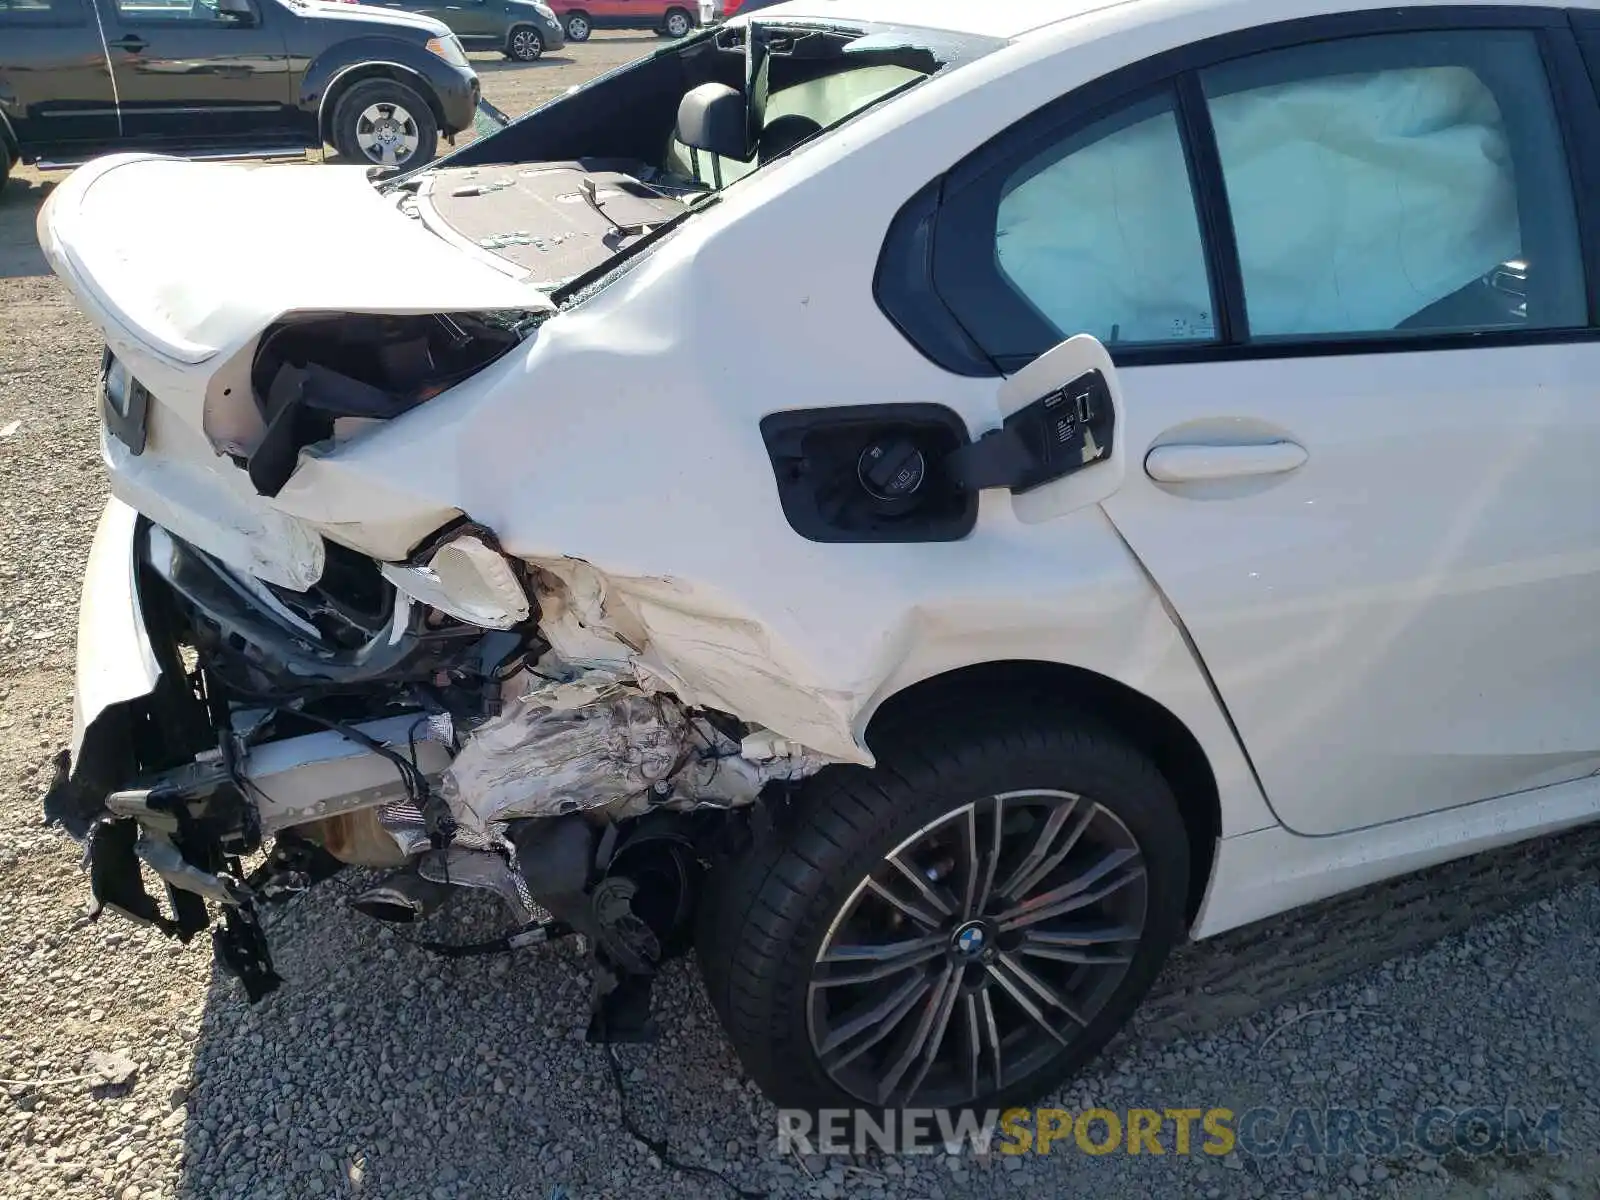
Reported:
(570, 191)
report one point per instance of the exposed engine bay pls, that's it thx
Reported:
(352, 725)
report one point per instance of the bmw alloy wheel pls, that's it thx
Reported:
(977, 950)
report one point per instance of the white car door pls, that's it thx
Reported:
(1370, 490)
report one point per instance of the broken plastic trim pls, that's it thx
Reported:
(467, 577)
(312, 370)
(266, 648)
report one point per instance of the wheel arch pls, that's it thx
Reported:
(511, 32)
(1148, 724)
(361, 73)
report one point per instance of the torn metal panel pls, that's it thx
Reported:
(181, 485)
(383, 518)
(566, 747)
(677, 638)
(601, 741)
(402, 897)
(483, 870)
(728, 773)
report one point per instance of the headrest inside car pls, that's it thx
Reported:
(784, 133)
(712, 117)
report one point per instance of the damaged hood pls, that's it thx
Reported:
(195, 258)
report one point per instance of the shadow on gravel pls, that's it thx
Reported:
(20, 257)
(380, 1069)
(501, 64)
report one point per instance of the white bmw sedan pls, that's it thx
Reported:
(927, 505)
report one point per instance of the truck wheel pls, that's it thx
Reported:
(525, 45)
(384, 122)
(962, 926)
(677, 24)
(578, 28)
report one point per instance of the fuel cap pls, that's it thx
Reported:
(891, 468)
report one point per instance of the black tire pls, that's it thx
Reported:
(420, 125)
(524, 44)
(677, 23)
(766, 912)
(5, 163)
(578, 27)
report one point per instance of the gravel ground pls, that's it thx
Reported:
(129, 1070)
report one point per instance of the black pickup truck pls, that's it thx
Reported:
(226, 78)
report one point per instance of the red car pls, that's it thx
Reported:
(721, 10)
(580, 18)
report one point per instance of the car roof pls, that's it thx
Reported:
(994, 18)
(1011, 19)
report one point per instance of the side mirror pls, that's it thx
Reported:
(239, 10)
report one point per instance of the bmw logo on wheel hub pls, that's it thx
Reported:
(970, 941)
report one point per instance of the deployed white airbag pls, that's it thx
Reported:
(1362, 199)
(1105, 241)
(1357, 201)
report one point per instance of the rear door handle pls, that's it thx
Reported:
(133, 43)
(1193, 463)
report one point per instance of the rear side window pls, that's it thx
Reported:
(1377, 187)
(1091, 229)
(1395, 185)
(41, 12)
(1098, 233)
